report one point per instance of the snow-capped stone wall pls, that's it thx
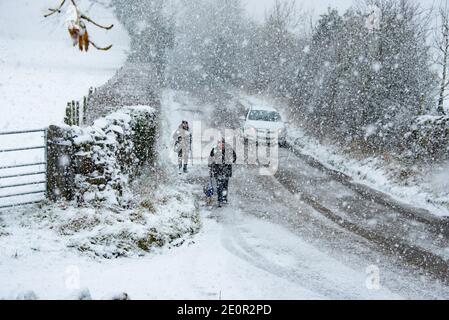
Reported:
(95, 164)
(428, 139)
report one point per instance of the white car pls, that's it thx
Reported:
(264, 125)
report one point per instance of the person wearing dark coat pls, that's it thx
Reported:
(221, 159)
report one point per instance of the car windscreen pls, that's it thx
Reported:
(260, 115)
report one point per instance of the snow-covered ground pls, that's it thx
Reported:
(267, 244)
(41, 71)
(425, 191)
(212, 265)
(244, 251)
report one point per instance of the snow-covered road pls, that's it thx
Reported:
(248, 257)
(270, 228)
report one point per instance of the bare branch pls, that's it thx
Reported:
(100, 48)
(78, 30)
(96, 24)
(57, 10)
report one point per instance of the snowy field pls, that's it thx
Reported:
(40, 72)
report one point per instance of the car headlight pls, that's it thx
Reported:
(251, 130)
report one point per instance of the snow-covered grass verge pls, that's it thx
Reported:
(61, 252)
(166, 217)
(427, 191)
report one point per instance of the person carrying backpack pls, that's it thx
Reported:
(221, 159)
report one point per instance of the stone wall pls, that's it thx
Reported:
(95, 164)
(427, 141)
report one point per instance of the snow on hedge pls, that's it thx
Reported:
(104, 157)
(424, 192)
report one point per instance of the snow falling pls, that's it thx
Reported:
(302, 154)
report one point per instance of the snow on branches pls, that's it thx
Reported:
(373, 18)
(77, 28)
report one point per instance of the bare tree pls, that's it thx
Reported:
(77, 28)
(442, 47)
(287, 15)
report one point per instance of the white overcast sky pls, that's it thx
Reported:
(257, 8)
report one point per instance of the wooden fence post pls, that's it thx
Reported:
(77, 114)
(68, 114)
(85, 110)
(73, 113)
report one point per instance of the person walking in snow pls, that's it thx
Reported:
(221, 159)
(183, 145)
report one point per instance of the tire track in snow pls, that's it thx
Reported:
(234, 242)
(408, 253)
(439, 225)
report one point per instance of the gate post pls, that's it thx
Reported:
(68, 114)
(46, 160)
(60, 173)
(84, 110)
(77, 114)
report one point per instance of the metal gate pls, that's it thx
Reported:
(23, 181)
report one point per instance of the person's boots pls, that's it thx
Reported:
(180, 169)
(185, 168)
